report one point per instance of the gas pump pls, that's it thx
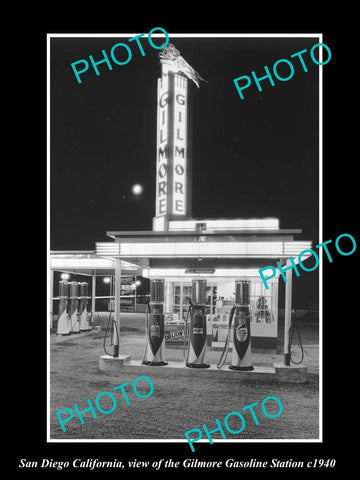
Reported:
(63, 325)
(240, 313)
(197, 331)
(83, 312)
(74, 307)
(154, 326)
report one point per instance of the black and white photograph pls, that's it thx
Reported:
(176, 233)
(196, 275)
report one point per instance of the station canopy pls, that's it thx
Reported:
(210, 247)
(87, 262)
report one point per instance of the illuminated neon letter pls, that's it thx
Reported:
(179, 152)
(162, 188)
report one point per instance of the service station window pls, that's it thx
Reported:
(182, 297)
(262, 303)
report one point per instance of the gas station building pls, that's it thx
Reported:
(180, 249)
(220, 251)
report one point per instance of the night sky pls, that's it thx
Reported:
(256, 157)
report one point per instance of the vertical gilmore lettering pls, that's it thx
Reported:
(179, 193)
(162, 161)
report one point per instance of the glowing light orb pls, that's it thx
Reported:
(137, 189)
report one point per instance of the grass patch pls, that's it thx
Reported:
(176, 405)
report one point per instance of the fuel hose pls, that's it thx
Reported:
(227, 341)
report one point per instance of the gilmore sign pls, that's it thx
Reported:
(171, 146)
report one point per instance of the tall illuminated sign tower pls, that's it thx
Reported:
(173, 157)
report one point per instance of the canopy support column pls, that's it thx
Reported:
(287, 319)
(117, 305)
